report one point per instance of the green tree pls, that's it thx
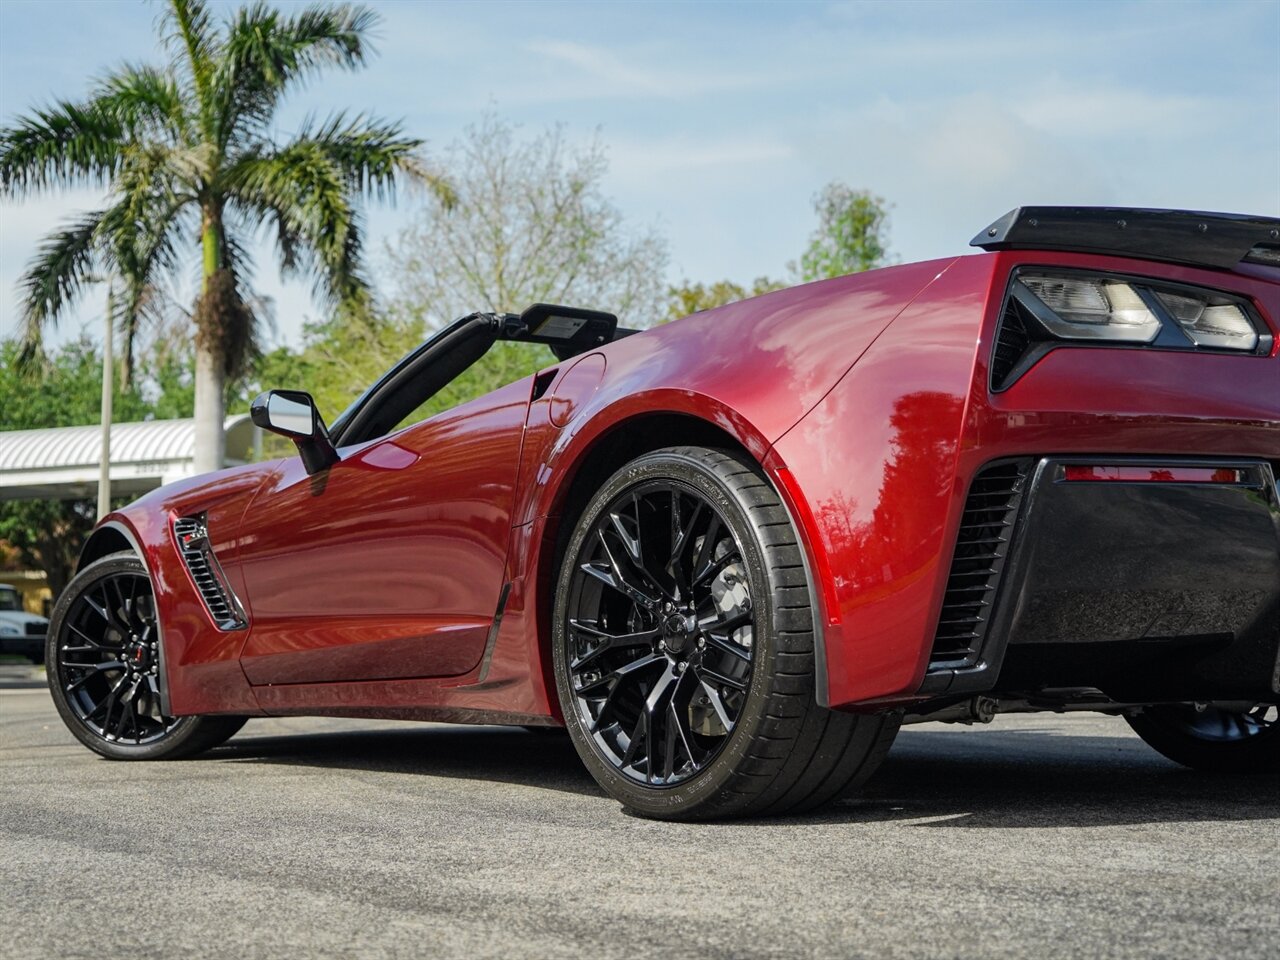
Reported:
(527, 221)
(852, 234)
(61, 390)
(339, 358)
(695, 297)
(188, 153)
(530, 224)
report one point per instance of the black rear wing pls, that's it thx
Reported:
(1220, 240)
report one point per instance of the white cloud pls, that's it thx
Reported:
(1102, 113)
(631, 159)
(595, 71)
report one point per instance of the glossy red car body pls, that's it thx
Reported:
(374, 590)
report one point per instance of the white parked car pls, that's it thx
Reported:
(20, 632)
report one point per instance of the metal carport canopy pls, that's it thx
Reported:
(61, 463)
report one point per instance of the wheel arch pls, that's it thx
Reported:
(108, 538)
(622, 442)
(615, 446)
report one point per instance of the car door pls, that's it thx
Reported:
(388, 564)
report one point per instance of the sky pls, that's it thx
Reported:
(723, 120)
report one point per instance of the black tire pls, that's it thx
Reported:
(783, 752)
(88, 626)
(1213, 740)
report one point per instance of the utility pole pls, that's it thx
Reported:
(108, 368)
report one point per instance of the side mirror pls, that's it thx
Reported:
(293, 414)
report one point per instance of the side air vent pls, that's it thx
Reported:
(1012, 343)
(982, 544)
(206, 573)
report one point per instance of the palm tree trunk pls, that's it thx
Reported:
(210, 369)
(209, 410)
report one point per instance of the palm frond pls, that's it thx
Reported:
(372, 154)
(306, 192)
(188, 31)
(65, 144)
(147, 102)
(59, 272)
(140, 236)
(266, 52)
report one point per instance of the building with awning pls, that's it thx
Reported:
(62, 463)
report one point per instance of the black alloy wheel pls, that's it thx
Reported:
(103, 660)
(1214, 738)
(661, 628)
(683, 647)
(108, 660)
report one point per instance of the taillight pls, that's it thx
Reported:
(1046, 308)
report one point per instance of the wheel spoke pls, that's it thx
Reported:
(630, 544)
(94, 670)
(639, 733)
(120, 605)
(606, 642)
(678, 721)
(725, 645)
(681, 537)
(715, 624)
(131, 605)
(126, 709)
(709, 572)
(612, 685)
(622, 673)
(717, 704)
(645, 728)
(154, 708)
(110, 616)
(712, 675)
(707, 550)
(109, 702)
(615, 577)
(99, 609)
(95, 643)
(655, 705)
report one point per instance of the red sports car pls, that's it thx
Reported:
(734, 553)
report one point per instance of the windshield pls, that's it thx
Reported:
(9, 599)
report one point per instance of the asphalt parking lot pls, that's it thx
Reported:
(1036, 836)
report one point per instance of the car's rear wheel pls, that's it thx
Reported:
(103, 661)
(1213, 739)
(684, 647)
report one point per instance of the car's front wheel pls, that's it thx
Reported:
(1213, 739)
(103, 661)
(684, 647)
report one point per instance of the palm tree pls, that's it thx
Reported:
(187, 154)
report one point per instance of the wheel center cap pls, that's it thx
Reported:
(677, 633)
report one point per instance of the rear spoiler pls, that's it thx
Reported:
(1220, 240)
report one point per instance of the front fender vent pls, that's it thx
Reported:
(192, 536)
(982, 544)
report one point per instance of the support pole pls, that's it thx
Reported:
(108, 368)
